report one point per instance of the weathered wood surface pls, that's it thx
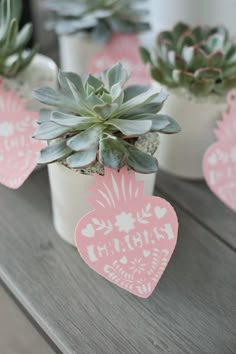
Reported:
(197, 200)
(191, 311)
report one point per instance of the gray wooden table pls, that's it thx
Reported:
(191, 311)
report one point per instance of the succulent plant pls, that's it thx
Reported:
(100, 120)
(13, 57)
(100, 18)
(200, 59)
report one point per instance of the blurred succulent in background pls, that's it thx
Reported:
(100, 18)
(200, 59)
(100, 120)
(13, 56)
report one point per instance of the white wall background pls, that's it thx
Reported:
(165, 13)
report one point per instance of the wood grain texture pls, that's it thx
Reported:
(191, 311)
(197, 200)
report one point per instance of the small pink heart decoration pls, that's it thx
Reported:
(128, 238)
(123, 48)
(18, 151)
(219, 163)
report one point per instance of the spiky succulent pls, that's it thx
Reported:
(13, 57)
(100, 18)
(100, 120)
(200, 59)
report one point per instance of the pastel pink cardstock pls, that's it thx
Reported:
(129, 238)
(18, 151)
(219, 164)
(122, 48)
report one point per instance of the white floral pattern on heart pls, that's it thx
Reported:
(135, 254)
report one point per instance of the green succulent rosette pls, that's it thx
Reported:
(100, 120)
(99, 18)
(199, 59)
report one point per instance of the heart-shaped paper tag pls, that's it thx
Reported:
(219, 164)
(122, 48)
(128, 238)
(18, 151)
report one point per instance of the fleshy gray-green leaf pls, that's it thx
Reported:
(54, 152)
(112, 154)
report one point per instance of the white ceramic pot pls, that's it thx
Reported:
(69, 190)
(42, 71)
(76, 52)
(201, 12)
(182, 154)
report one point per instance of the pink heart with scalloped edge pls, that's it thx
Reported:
(219, 163)
(129, 238)
(18, 151)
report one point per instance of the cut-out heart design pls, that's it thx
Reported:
(123, 260)
(146, 253)
(160, 212)
(88, 231)
(18, 151)
(219, 164)
(131, 247)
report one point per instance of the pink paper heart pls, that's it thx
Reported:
(18, 151)
(122, 48)
(219, 164)
(132, 244)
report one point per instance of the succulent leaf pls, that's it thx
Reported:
(54, 152)
(13, 56)
(112, 153)
(114, 118)
(199, 59)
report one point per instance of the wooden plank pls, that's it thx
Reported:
(197, 199)
(191, 311)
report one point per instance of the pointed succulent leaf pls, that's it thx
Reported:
(85, 140)
(102, 32)
(72, 121)
(172, 128)
(216, 59)
(139, 100)
(82, 159)
(208, 73)
(112, 153)
(95, 82)
(117, 74)
(179, 29)
(202, 87)
(45, 115)
(133, 91)
(54, 152)
(183, 78)
(107, 110)
(145, 55)
(50, 97)
(75, 80)
(131, 128)
(216, 42)
(157, 74)
(140, 161)
(50, 130)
